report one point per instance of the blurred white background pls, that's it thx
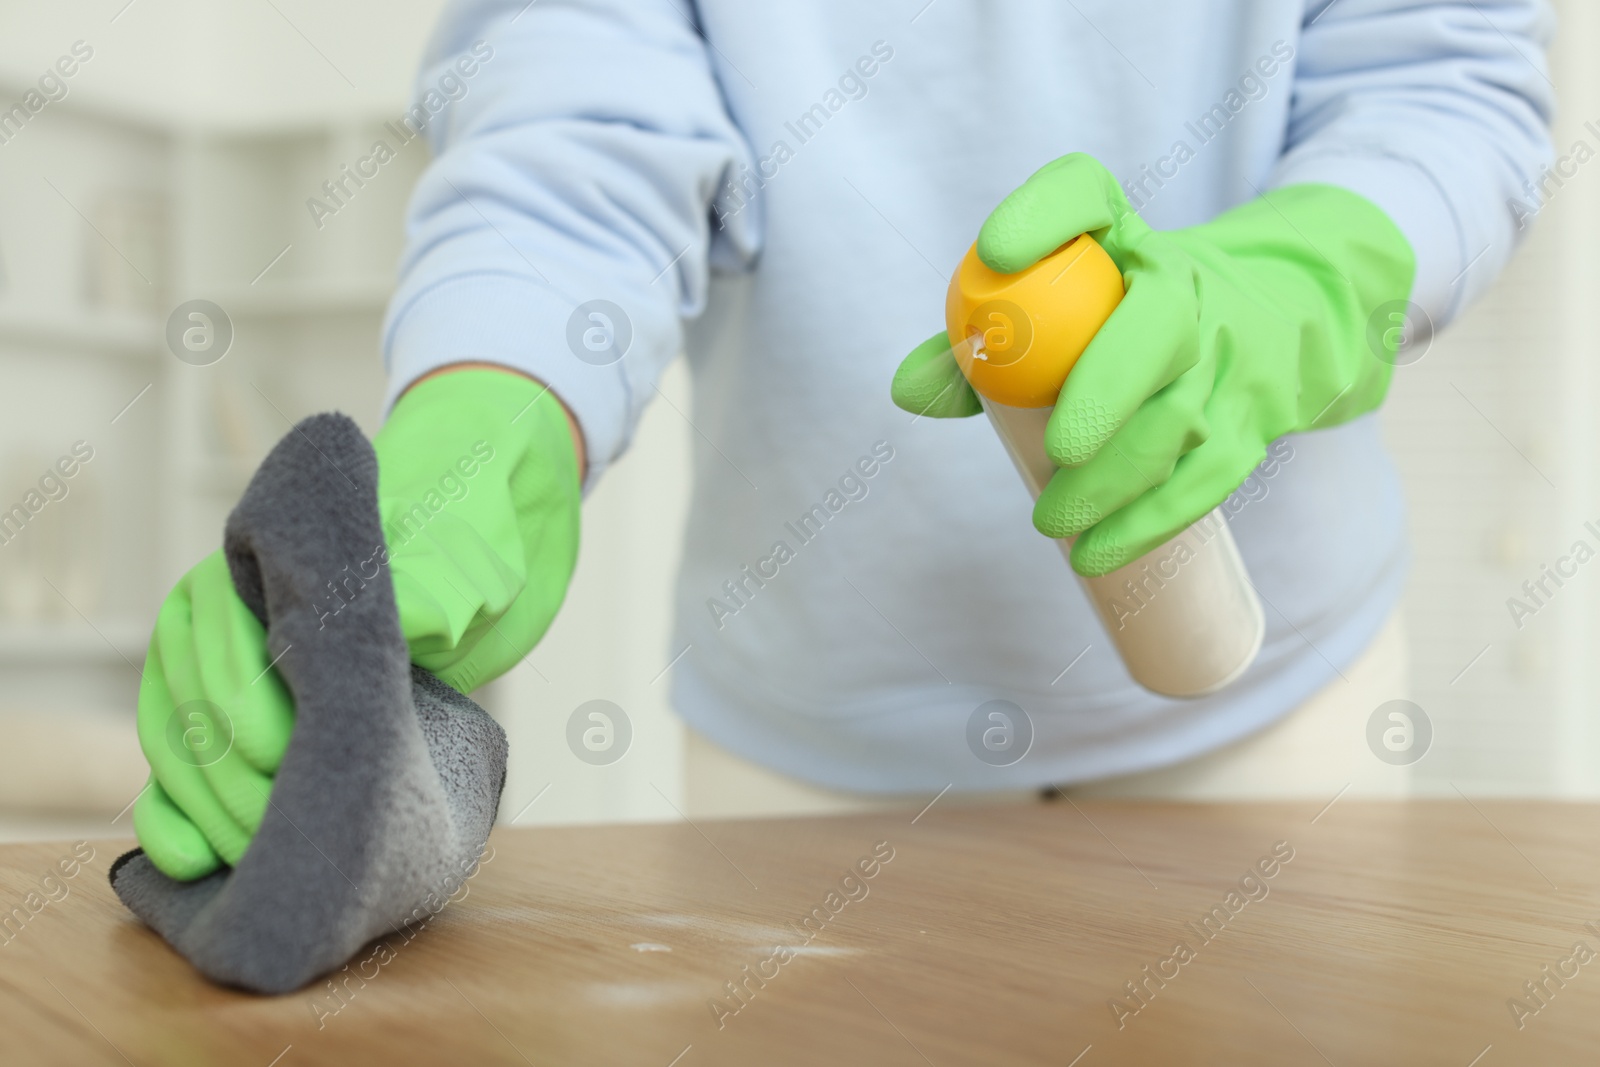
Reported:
(177, 167)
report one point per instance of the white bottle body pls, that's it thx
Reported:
(1184, 617)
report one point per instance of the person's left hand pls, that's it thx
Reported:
(1231, 334)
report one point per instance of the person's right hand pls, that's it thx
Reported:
(213, 721)
(478, 491)
(478, 488)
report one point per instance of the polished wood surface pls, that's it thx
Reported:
(1396, 934)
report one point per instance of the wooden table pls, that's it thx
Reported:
(1396, 934)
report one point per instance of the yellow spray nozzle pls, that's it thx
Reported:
(1016, 336)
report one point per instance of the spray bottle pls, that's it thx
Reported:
(1184, 617)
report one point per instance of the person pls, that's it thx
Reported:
(783, 192)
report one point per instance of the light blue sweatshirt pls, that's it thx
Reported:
(782, 191)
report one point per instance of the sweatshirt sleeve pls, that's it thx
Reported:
(1437, 111)
(577, 163)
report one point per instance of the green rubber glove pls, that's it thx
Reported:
(213, 721)
(478, 489)
(1231, 335)
(479, 495)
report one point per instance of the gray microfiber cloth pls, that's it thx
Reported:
(388, 788)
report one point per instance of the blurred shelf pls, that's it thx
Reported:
(116, 333)
(221, 476)
(283, 299)
(52, 643)
(17, 826)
